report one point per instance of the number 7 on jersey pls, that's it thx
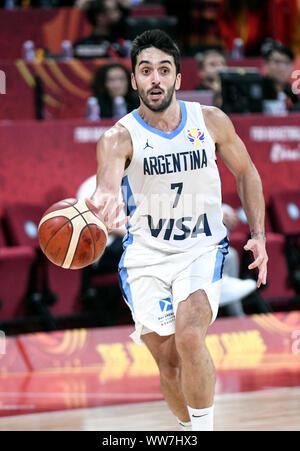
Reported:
(179, 187)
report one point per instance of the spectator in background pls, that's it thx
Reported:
(211, 62)
(107, 18)
(279, 61)
(111, 82)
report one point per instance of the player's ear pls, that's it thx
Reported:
(178, 82)
(133, 83)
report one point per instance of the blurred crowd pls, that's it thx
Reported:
(213, 32)
(275, 80)
(199, 23)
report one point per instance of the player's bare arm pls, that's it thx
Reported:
(233, 152)
(114, 152)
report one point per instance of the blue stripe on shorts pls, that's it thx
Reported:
(220, 257)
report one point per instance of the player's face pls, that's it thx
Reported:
(155, 79)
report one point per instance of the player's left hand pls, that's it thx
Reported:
(258, 247)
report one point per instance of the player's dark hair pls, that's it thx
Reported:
(158, 39)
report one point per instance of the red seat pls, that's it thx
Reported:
(101, 294)
(15, 266)
(234, 201)
(65, 284)
(285, 212)
(22, 222)
(278, 286)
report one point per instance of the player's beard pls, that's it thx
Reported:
(162, 106)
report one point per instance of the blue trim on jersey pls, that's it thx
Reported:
(160, 132)
(127, 241)
(220, 257)
(128, 196)
(123, 274)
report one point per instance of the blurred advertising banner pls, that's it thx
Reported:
(265, 340)
(82, 368)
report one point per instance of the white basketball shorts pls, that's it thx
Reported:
(154, 290)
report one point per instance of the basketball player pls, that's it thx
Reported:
(163, 155)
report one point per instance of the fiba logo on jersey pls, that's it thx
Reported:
(195, 136)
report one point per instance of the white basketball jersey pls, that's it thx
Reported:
(172, 186)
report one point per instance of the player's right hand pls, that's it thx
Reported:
(109, 208)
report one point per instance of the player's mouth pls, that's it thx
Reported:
(155, 94)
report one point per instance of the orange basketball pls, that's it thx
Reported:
(71, 234)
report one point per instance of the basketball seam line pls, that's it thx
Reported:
(67, 220)
(94, 244)
(74, 250)
(82, 230)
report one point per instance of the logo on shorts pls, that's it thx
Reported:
(165, 305)
(195, 136)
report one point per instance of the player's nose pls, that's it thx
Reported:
(155, 77)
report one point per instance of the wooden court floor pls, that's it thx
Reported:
(266, 410)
